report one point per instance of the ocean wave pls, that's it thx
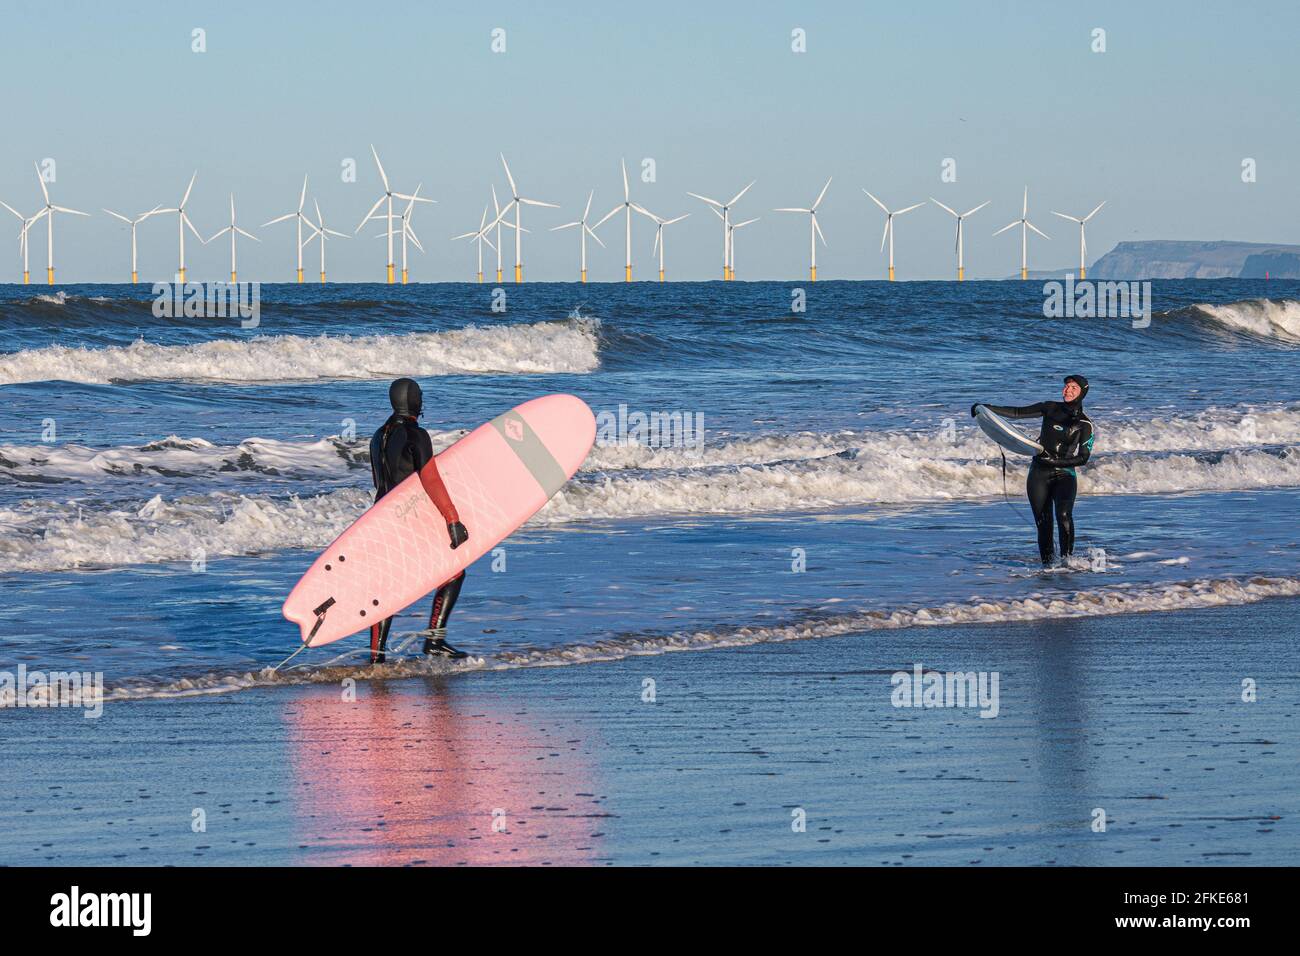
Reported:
(1275, 319)
(1214, 429)
(1191, 595)
(44, 535)
(542, 347)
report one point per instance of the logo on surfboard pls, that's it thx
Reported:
(514, 429)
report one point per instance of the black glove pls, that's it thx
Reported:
(1049, 461)
(456, 531)
(973, 407)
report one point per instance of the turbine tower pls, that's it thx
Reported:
(1025, 225)
(388, 197)
(627, 205)
(889, 228)
(584, 231)
(518, 202)
(132, 223)
(731, 238)
(659, 238)
(234, 231)
(300, 219)
(1083, 241)
(961, 266)
(49, 211)
(407, 231)
(725, 213)
(22, 235)
(480, 237)
(814, 230)
(323, 234)
(183, 221)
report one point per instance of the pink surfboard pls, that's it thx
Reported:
(498, 476)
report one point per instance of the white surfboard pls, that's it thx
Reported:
(1006, 434)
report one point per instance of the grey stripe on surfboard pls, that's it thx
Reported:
(537, 458)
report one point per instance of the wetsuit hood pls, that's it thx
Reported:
(1077, 404)
(405, 397)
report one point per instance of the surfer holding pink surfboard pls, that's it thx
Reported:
(399, 449)
(414, 538)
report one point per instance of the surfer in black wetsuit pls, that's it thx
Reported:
(1066, 436)
(399, 449)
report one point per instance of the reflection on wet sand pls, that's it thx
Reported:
(415, 773)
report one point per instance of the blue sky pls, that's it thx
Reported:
(1158, 126)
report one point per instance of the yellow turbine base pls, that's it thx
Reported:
(27, 277)
(180, 276)
(627, 273)
(233, 277)
(480, 278)
(299, 276)
(961, 274)
(1024, 273)
(403, 277)
(813, 274)
(1083, 273)
(498, 275)
(583, 277)
(661, 275)
(322, 278)
(891, 273)
(49, 276)
(134, 278)
(519, 272)
(390, 273)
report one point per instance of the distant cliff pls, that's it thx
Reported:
(1171, 259)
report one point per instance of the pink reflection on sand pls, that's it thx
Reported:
(410, 773)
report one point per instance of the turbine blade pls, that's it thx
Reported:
(538, 202)
(976, 209)
(594, 236)
(75, 212)
(1064, 216)
(41, 179)
(736, 199)
(383, 176)
(303, 197)
(909, 208)
(246, 235)
(608, 215)
(189, 189)
(948, 209)
(819, 230)
(1095, 211)
(877, 202)
(623, 162)
(711, 202)
(1010, 225)
(510, 179)
(115, 215)
(287, 215)
(567, 225)
(821, 195)
(586, 212)
(378, 202)
(1037, 230)
(884, 235)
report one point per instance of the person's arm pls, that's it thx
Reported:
(431, 480)
(1013, 411)
(1082, 451)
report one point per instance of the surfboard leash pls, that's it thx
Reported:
(1006, 497)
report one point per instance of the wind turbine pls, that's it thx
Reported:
(726, 225)
(961, 267)
(233, 230)
(889, 228)
(387, 197)
(731, 238)
(659, 238)
(132, 223)
(1083, 241)
(49, 211)
(407, 230)
(814, 230)
(183, 220)
(480, 237)
(323, 234)
(627, 205)
(302, 199)
(1025, 225)
(518, 202)
(22, 235)
(583, 231)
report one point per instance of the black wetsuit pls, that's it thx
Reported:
(1066, 436)
(398, 450)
